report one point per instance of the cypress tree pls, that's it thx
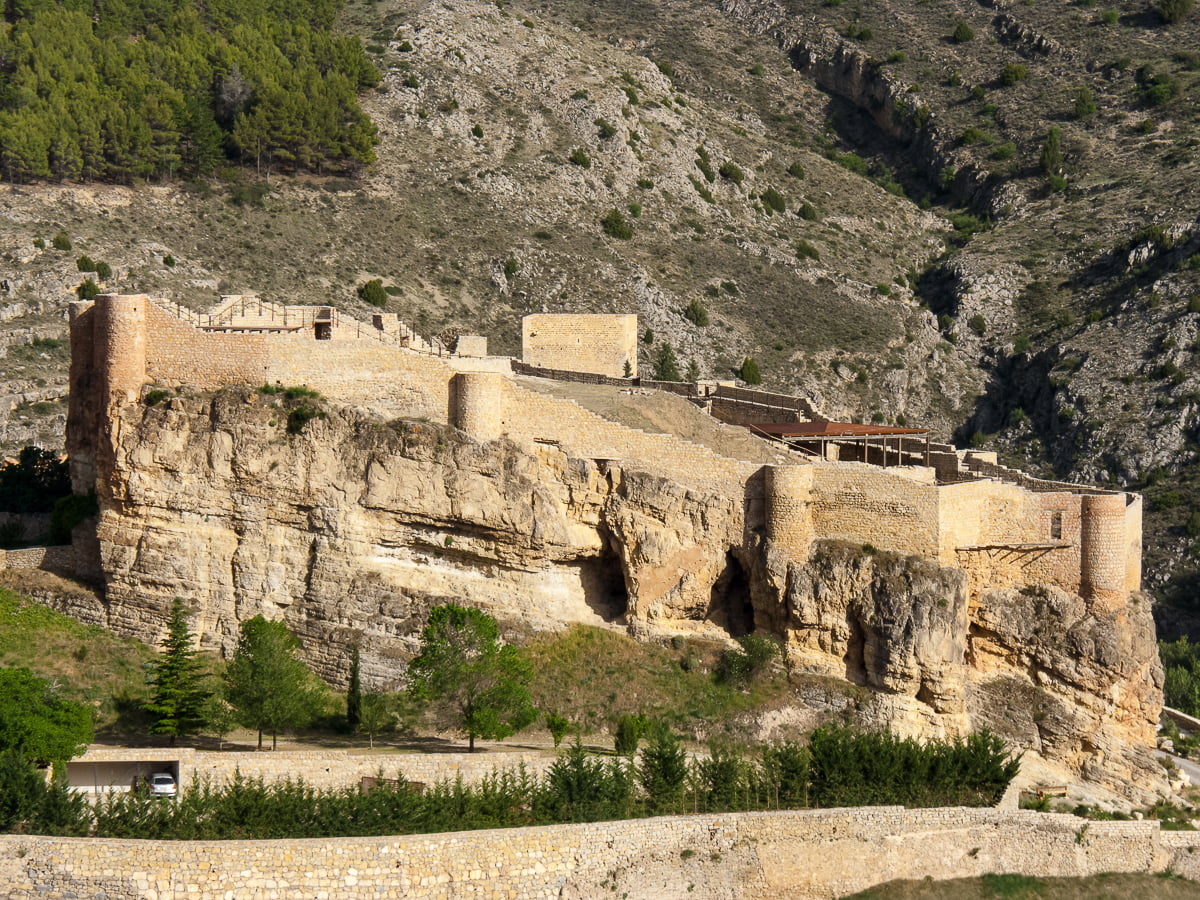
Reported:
(177, 681)
(354, 693)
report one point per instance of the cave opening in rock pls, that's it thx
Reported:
(855, 656)
(604, 589)
(729, 605)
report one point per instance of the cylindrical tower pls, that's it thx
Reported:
(1102, 544)
(789, 523)
(120, 343)
(478, 407)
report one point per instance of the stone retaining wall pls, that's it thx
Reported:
(765, 856)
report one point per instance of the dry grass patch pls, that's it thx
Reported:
(1109, 886)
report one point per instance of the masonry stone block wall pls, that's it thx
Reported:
(177, 353)
(477, 405)
(869, 505)
(789, 521)
(1102, 547)
(800, 855)
(585, 343)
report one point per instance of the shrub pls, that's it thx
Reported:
(87, 290)
(773, 200)
(1110, 17)
(412, 81)
(1051, 159)
(962, 33)
(477, 130)
(751, 662)
(796, 170)
(1005, 151)
(155, 397)
(808, 212)
(1013, 73)
(704, 164)
(897, 56)
(1159, 89)
(558, 726)
(701, 189)
(749, 372)
(635, 210)
(61, 241)
(648, 336)
(405, 47)
(580, 158)
(645, 184)
(731, 172)
(249, 194)
(1173, 11)
(630, 731)
(614, 225)
(1085, 103)
(805, 250)
(974, 136)
(978, 324)
(169, 261)
(606, 129)
(630, 94)
(39, 244)
(301, 416)
(696, 313)
(85, 264)
(373, 293)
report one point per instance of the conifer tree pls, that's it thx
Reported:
(666, 365)
(177, 681)
(354, 695)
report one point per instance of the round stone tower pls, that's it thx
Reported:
(1102, 544)
(120, 343)
(789, 524)
(478, 405)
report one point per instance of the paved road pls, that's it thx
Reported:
(1188, 767)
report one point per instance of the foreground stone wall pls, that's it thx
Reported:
(764, 856)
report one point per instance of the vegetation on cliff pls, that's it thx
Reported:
(145, 89)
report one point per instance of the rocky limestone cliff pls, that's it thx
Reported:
(350, 530)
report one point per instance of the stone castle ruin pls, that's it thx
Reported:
(944, 582)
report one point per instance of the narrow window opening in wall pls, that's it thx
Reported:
(729, 605)
(323, 330)
(1056, 525)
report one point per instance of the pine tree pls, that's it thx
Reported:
(666, 366)
(179, 695)
(354, 693)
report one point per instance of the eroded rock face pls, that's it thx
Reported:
(351, 530)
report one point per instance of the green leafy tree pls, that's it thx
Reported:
(696, 313)
(558, 726)
(749, 371)
(354, 692)
(375, 716)
(1085, 103)
(469, 675)
(615, 225)
(1051, 159)
(266, 682)
(178, 695)
(666, 365)
(29, 803)
(37, 723)
(373, 292)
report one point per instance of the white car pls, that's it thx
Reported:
(162, 784)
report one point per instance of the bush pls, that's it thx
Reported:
(805, 250)
(808, 212)
(103, 271)
(648, 336)
(1110, 17)
(796, 170)
(749, 372)
(85, 264)
(1005, 151)
(751, 662)
(1013, 73)
(962, 33)
(373, 293)
(696, 313)
(614, 225)
(61, 241)
(1173, 11)
(1085, 103)
(477, 130)
(897, 56)
(630, 731)
(301, 416)
(773, 200)
(580, 158)
(731, 172)
(88, 290)
(606, 129)
(978, 324)
(558, 726)
(169, 261)
(880, 769)
(704, 164)
(155, 397)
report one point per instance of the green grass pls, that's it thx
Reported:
(592, 676)
(1108, 886)
(91, 664)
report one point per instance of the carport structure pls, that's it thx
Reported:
(849, 442)
(97, 776)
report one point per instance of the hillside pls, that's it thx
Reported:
(858, 199)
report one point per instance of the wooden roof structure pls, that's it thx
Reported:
(813, 438)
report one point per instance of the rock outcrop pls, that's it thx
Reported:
(351, 529)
